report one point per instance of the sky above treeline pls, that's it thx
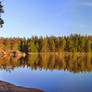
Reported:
(24, 18)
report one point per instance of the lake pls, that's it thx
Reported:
(49, 72)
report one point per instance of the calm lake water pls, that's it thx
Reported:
(51, 73)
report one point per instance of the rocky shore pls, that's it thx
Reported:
(7, 87)
(12, 53)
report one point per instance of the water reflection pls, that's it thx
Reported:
(71, 62)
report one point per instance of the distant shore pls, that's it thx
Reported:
(22, 54)
(13, 53)
(61, 53)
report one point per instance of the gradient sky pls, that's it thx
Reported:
(24, 18)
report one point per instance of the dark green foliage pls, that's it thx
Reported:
(72, 43)
(1, 11)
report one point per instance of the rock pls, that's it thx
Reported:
(16, 54)
(7, 87)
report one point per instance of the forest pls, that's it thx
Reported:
(72, 43)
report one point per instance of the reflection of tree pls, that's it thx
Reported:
(72, 62)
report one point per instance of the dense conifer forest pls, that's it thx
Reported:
(72, 43)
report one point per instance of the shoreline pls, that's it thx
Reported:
(61, 53)
(13, 53)
(8, 87)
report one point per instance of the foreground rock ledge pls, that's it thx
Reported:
(7, 87)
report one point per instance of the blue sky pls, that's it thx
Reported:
(24, 18)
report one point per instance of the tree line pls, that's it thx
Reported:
(72, 43)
